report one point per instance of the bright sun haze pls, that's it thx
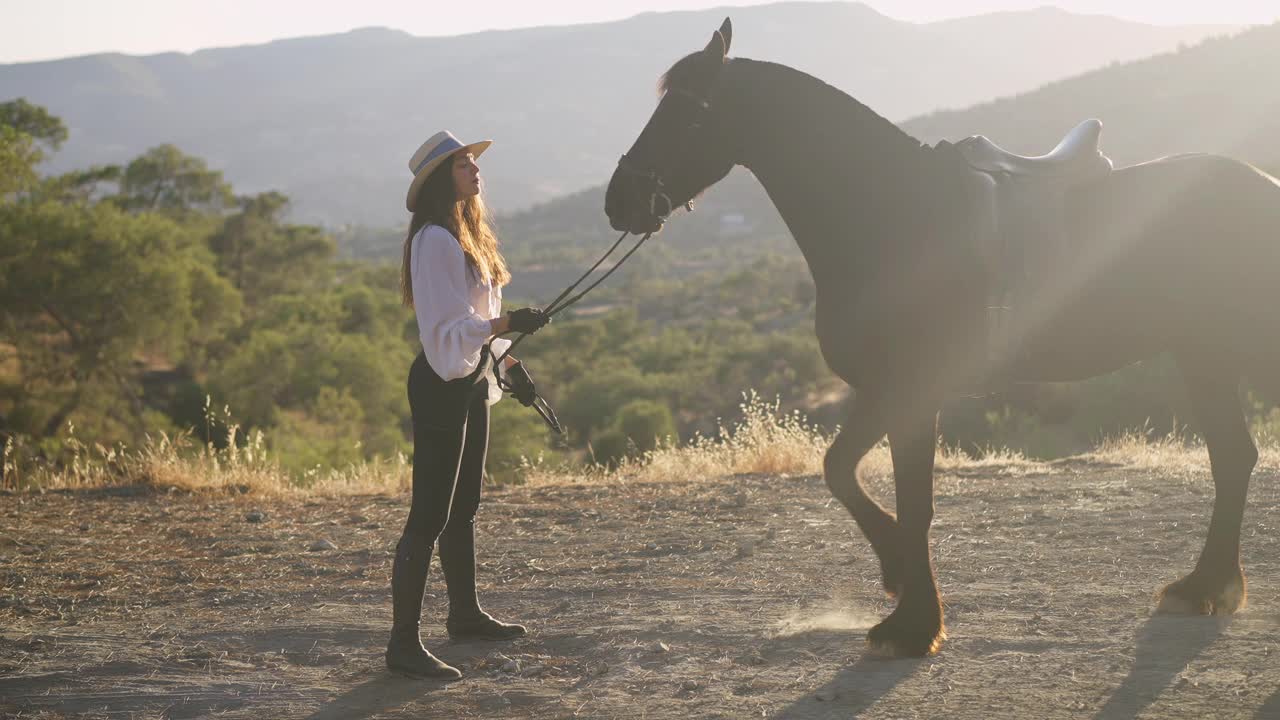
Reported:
(62, 28)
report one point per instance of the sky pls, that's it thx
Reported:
(49, 29)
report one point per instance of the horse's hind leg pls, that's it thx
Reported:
(865, 425)
(1217, 584)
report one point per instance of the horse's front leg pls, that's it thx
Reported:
(915, 627)
(865, 424)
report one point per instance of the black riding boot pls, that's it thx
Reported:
(405, 654)
(466, 620)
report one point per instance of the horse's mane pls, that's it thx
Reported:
(799, 89)
(841, 112)
(878, 171)
(680, 73)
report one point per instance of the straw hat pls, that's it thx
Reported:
(433, 152)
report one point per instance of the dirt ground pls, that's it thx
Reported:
(736, 597)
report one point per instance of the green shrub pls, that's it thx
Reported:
(610, 446)
(645, 423)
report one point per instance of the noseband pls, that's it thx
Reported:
(660, 205)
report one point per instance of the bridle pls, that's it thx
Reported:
(657, 193)
(657, 188)
(660, 205)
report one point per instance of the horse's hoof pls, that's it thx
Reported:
(897, 638)
(1193, 596)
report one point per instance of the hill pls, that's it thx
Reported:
(1219, 96)
(331, 120)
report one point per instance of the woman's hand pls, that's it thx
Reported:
(527, 320)
(522, 388)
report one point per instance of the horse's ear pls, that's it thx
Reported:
(726, 32)
(717, 48)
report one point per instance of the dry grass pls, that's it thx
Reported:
(183, 464)
(1174, 452)
(765, 441)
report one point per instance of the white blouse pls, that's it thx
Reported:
(453, 305)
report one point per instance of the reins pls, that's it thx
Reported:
(657, 192)
(562, 302)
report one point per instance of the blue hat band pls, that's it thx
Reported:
(446, 146)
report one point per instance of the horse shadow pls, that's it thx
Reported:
(1270, 710)
(1165, 646)
(853, 689)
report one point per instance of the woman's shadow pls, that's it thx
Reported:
(374, 697)
(386, 691)
(1166, 645)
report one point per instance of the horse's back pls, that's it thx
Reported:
(1200, 208)
(1176, 251)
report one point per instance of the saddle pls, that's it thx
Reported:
(1022, 220)
(1076, 158)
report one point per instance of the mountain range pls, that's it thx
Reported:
(1219, 96)
(332, 120)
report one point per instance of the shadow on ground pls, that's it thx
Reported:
(855, 688)
(1165, 646)
(372, 698)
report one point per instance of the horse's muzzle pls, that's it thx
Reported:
(636, 225)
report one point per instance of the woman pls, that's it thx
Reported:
(452, 276)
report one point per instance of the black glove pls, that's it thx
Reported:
(521, 384)
(528, 320)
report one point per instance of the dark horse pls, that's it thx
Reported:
(1177, 255)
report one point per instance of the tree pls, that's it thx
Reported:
(296, 346)
(263, 256)
(33, 121)
(26, 132)
(18, 159)
(80, 186)
(85, 289)
(164, 179)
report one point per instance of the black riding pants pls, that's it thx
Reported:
(450, 439)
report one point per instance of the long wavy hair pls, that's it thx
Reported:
(469, 221)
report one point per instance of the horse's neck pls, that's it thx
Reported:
(808, 225)
(843, 198)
